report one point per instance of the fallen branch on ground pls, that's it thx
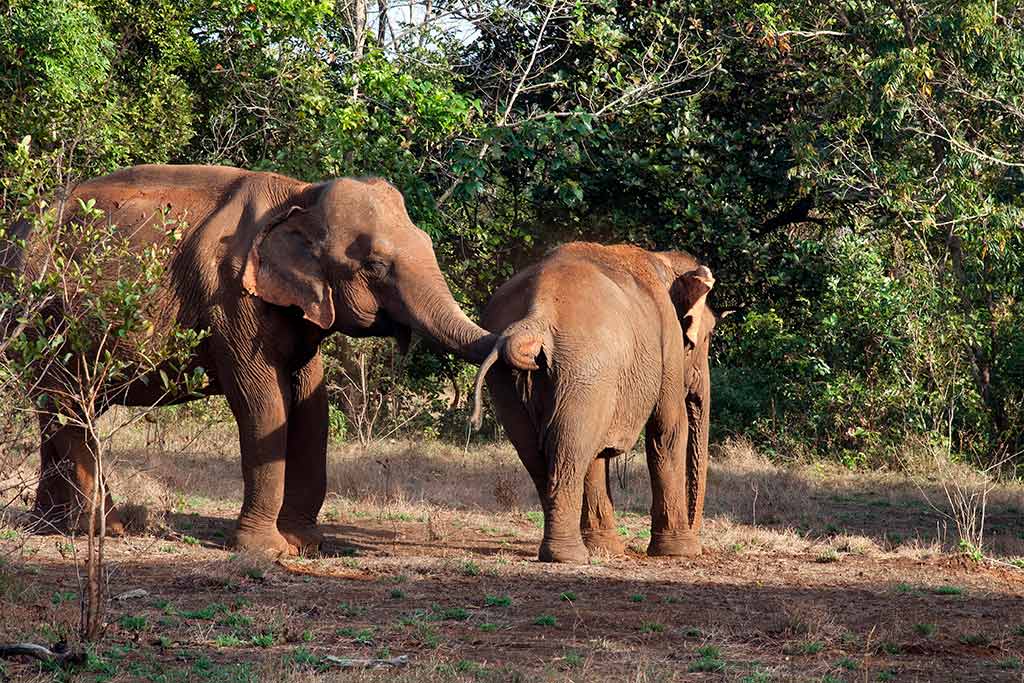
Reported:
(363, 663)
(58, 654)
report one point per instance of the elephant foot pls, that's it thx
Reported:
(666, 544)
(604, 541)
(267, 541)
(305, 537)
(569, 553)
(114, 524)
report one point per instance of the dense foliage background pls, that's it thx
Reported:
(851, 171)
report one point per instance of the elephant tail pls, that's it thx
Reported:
(520, 346)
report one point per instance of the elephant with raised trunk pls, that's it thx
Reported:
(268, 266)
(597, 343)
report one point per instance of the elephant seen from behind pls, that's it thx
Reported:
(598, 343)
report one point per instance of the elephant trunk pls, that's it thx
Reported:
(431, 310)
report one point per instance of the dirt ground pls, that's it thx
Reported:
(809, 574)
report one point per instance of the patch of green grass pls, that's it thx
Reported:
(470, 568)
(363, 636)
(651, 627)
(709, 660)
(692, 632)
(206, 613)
(427, 636)
(672, 600)
(709, 651)
(228, 640)
(307, 636)
(637, 598)
(454, 614)
(236, 620)
(567, 596)
(572, 659)
(848, 664)
(132, 623)
(1020, 631)
(488, 627)
(948, 590)
(812, 647)
(1010, 663)
(468, 666)
(904, 588)
(536, 517)
(263, 640)
(302, 657)
(60, 597)
(497, 600)
(886, 676)
(350, 562)
(891, 648)
(397, 594)
(926, 630)
(8, 534)
(975, 639)
(758, 675)
(545, 620)
(190, 540)
(350, 610)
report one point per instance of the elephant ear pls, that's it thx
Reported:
(284, 268)
(689, 293)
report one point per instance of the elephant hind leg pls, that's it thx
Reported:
(597, 522)
(67, 479)
(53, 502)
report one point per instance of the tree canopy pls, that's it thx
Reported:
(850, 171)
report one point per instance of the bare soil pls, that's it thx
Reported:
(807, 575)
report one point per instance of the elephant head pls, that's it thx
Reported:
(346, 253)
(689, 283)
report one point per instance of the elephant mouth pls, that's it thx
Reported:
(385, 326)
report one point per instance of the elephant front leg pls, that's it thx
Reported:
(258, 395)
(671, 532)
(305, 474)
(597, 522)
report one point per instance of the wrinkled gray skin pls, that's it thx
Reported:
(269, 266)
(598, 343)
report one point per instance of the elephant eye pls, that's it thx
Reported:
(376, 267)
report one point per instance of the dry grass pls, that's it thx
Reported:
(753, 505)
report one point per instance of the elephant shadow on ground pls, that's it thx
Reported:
(744, 490)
